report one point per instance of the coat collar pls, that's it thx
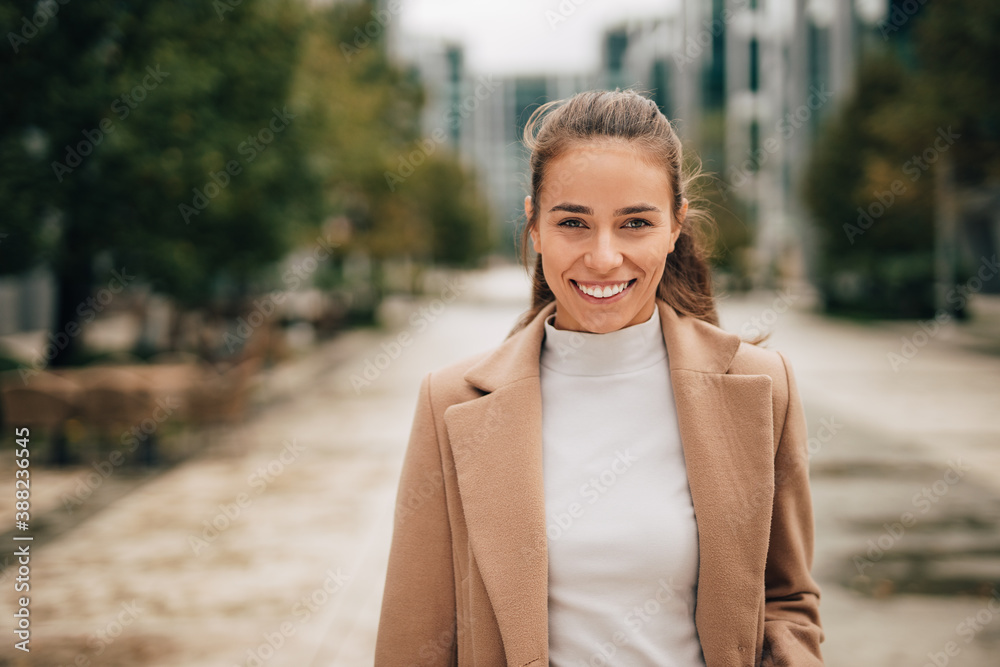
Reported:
(691, 343)
(725, 423)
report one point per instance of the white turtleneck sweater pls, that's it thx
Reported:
(622, 538)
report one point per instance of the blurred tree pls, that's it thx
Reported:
(361, 113)
(872, 184)
(406, 196)
(732, 236)
(151, 135)
(954, 42)
(872, 202)
(194, 144)
(446, 197)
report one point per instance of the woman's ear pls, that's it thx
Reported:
(536, 241)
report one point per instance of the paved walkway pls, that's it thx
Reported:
(899, 533)
(270, 548)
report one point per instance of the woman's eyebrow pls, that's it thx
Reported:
(586, 210)
(636, 208)
(573, 208)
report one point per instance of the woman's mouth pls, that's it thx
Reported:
(594, 293)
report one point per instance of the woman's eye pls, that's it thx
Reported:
(570, 223)
(640, 221)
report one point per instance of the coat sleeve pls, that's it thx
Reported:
(792, 630)
(417, 623)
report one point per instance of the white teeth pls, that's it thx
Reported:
(603, 293)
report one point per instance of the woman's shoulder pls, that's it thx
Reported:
(447, 384)
(753, 359)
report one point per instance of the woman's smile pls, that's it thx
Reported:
(603, 293)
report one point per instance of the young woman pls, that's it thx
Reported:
(620, 482)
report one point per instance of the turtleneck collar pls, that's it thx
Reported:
(623, 351)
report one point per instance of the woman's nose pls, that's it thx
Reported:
(603, 256)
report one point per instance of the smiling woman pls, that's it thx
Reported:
(627, 190)
(620, 482)
(608, 258)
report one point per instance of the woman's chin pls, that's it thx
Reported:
(603, 321)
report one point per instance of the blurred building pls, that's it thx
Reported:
(481, 118)
(27, 302)
(747, 82)
(789, 63)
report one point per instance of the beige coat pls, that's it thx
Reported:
(468, 568)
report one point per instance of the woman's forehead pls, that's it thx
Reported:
(605, 172)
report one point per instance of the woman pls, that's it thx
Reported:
(621, 482)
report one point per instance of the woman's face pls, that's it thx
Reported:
(604, 221)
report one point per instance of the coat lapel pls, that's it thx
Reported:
(725, 423)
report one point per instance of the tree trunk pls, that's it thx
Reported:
(74, 309)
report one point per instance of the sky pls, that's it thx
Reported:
(525, 36)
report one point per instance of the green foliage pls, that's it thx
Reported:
(444, 195)
(871, 181)
(405, 196)
(730, 234)
(957, 50)
(872, 197)
(140, 107)
(196, 143)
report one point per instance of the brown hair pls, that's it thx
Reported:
(623, 116)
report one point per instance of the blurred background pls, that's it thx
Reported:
(234, 235)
